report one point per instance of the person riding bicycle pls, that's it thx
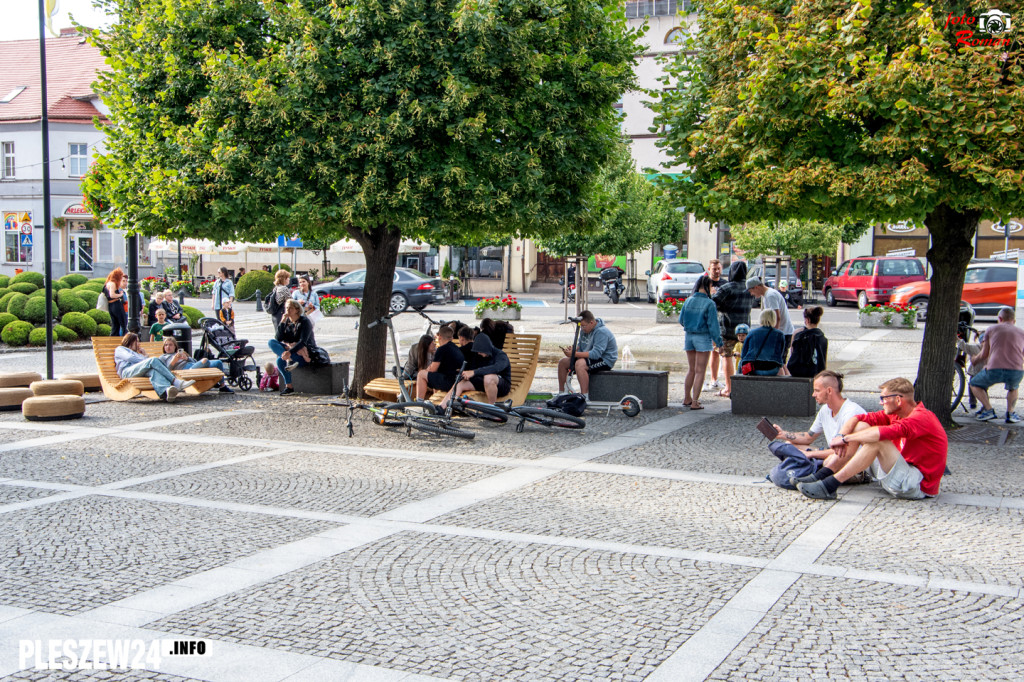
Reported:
(493, 376)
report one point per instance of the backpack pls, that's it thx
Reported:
(804, 360)
(570, 403)
(790, 460)
(271, 305)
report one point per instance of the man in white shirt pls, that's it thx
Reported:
(772, 299)
(835, 410)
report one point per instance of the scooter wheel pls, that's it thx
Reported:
(631, 407)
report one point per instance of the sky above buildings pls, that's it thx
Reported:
(20, 18)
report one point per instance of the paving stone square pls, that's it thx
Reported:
(8, 435)
(115, 675)
(101, 460)
(78, 554)
(744, 520)
(11, 493)
(984, 470)
(330, 482)
(475, 609)
(826, 628)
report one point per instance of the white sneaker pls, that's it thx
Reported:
(290, 367)
(186, 384)
(172, 394)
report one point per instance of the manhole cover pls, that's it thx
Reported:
(983, 434)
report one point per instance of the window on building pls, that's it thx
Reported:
(8, 160)
(78, 155)
(620, 114)
(675, 36)
(637, 9)
(17, 246)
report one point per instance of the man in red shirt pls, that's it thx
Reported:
(904, 445)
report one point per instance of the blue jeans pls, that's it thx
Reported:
(216, 364)
(156, 370)
(278, 349)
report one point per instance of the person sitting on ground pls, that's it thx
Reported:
(835, 411)
(131, 361)
(420, 356)
(226, 315)
(443, 370)
(466, 336)
(270, 379)
(810, 347)
(176, 359)
(1002, 352)
(596, 352)
(763, 348)
(497, 330)
(293, 343)
(733, 302)
(156, 330)
(773, 300)
(281, 293)
(174, 312)
(493, 374)
(903, 444)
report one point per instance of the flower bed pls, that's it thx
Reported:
(182, 285)
(340, 306)
(668, 311)
(888, 315)
(507, 308)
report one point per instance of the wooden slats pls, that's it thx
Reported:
(116, 388)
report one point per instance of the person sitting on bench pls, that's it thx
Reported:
(596, 352)
(493, 375)
(443, 370)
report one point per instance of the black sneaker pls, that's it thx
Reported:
(287, 390)
(224, 388)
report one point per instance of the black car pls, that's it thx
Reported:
(411, 288)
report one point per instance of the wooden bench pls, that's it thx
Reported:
(523, 351)
(116, 388)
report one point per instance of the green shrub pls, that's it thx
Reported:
(23, 287)
(102, 330)
(74, 279)
(5, 281)
(35, 310)
(284, 266)
(16, 306)
(5, 300)
(37, 337)
(4, 291)
(100, 280)
(58, 285)
(251, 281)
(34, 278)
(84, 294)
(62, 333)
(6, 319)
(101, 316)
(193, 315)
(80, 323)
(88, 286)
(16, 333)
(68, 302)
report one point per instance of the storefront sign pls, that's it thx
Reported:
(901, 227)
(76, 210)
(1013, 226)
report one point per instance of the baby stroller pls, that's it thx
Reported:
(219, 343)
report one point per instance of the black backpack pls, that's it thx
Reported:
(271, 305)
(570, 403)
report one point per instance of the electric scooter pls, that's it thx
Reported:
(629, 404)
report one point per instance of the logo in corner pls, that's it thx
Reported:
(995, 23)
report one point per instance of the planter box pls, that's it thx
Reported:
(507, 314)
(665, 319)
(344, 311)
(886, 321)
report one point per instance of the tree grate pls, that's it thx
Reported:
(983, 433)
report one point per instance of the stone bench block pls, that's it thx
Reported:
(650, 386)
(321, 380)
(779, 396)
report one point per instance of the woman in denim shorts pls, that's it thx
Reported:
(699, 318)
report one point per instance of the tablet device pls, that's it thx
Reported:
(766, 428)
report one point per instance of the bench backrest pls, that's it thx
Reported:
(523, 351)
(103, 348)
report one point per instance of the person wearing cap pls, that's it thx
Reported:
(773, 300)
(306, 296)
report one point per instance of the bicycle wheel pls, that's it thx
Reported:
(438, 428)
(545, 417)
(487, 413)
(959, 385)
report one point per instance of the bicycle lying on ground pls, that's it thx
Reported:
(500, 413)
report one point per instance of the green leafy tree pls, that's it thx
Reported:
(816, 110)
(795, 238)
(250, 118)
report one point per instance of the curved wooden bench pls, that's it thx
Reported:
(523, 352)
(116, 388)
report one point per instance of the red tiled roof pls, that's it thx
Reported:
(71, 67)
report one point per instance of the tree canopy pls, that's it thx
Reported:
(796, 238)
(840, 110)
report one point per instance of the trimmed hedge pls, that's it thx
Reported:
(5, 281)
(103, 330)
(5, 300)
(68, 302)
(6, 319)
(37, 337)
(4, 291)
(85, 295)
(41, 293)
(34, 278)
(101, 280)
(101, 316)
(74, 279)
(58, 285)
(35, 310)
(16, 333)
(64, 334)
(88, 286)
(16, 306)
(80, 323)
(251, 281)
(23, 287)
(285, 266)
(193, 315)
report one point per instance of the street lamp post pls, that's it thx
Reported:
(47, 265)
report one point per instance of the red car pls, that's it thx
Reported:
(988, 286)
(870, 279)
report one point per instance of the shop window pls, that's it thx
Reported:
(18, 243)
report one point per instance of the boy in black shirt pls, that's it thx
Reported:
(443, 371)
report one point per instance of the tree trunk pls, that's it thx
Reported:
(380, 247)
(952, 234)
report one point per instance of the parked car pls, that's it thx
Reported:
(411, 288)
(988, 286)
(672, 278)
(870, 279)
(791, 287)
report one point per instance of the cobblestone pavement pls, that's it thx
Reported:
(647, 548)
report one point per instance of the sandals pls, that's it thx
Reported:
(696, 406)
(723, 393)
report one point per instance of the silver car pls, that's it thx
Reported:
(672, 278)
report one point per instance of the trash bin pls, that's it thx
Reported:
(670, 251)
(181, 333)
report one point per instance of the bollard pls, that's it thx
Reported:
(181, 297)
(259, 301)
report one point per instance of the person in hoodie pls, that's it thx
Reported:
(596, 352)
(733, 302)
(492, 375)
